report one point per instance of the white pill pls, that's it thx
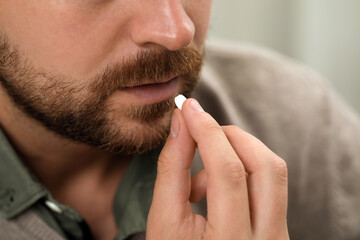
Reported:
(179, 100)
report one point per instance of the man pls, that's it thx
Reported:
(86, 99)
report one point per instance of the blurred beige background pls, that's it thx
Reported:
(323, 34)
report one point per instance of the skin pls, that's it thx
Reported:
(245, 183)
(59, 36)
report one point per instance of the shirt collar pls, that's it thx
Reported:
(18, 189)
(133, 198)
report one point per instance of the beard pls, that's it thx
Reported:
(84, 110)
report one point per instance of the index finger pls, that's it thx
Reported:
(227, 195)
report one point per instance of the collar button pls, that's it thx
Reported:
(54, 207)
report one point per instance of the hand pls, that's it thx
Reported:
(245, 183)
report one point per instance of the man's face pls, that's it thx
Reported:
(102, 72)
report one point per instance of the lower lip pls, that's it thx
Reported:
(153, 93)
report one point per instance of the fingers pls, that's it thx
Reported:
(173, 182)
(198, 186)
(267, 184)
(228, 206)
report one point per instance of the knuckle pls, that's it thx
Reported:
(234, 172)
(212, 126)
(163, 166)
(279, 167)
(212, 131)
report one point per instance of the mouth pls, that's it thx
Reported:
(150, 93)
(149, 82)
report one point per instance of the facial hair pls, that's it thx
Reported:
(80, 110)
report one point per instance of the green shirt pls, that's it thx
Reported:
(19, 191)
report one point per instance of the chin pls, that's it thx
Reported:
(137, 136)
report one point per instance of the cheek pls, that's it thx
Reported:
(199, 11)
(74, 40)
(77, 39)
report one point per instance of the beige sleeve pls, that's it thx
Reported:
(296, 113)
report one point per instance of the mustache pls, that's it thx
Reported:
(147, 67)
(76, 109)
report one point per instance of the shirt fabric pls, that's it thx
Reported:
(287, 106)
(20, 191)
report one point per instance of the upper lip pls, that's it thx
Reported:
(163, 80)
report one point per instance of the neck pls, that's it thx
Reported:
(51, 157)
(77, 175)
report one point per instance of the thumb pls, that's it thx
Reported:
(173, 181)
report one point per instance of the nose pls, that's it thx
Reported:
(163, 23)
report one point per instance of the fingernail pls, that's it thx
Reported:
(175, 126)
(194, 105)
